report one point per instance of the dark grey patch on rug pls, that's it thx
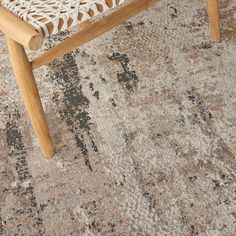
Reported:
(65, 73)
(129, 77)
(16, 181)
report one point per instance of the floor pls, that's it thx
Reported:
(144, 125)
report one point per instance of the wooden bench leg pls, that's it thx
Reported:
(29, 91)
(214, 19)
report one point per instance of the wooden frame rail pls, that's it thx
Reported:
(19, 31)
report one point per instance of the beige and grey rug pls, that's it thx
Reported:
(144, 124)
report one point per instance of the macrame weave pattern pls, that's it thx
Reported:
(51, 16)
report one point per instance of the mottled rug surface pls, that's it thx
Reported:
(144, 125)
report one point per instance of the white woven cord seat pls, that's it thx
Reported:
(51, 16)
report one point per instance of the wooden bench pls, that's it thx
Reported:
(27, 23)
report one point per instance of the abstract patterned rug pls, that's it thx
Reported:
(144, 124)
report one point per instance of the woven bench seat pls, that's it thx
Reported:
(49, 17)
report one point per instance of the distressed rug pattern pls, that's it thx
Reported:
(144, 124)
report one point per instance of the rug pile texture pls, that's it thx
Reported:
(144, 124)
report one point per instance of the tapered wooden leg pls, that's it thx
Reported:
(29, 91)
(214, 19)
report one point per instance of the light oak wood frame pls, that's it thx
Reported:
(214, 19)
(29, 38)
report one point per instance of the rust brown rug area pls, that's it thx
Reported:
(144, 124)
